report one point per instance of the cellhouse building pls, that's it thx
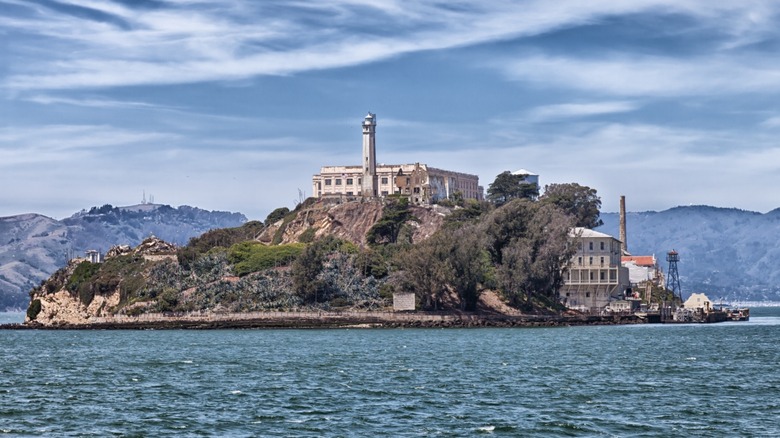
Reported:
(421, 183)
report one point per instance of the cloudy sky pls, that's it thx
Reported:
(233, 104)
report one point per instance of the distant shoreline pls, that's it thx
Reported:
(320, 320)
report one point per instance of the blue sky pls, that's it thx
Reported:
(233, 105)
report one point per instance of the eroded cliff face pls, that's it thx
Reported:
(59, 306)
(349, 220)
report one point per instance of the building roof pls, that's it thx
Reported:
(524, 172)
(640, 260)
(587, 232)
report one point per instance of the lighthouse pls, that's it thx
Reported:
(369, 182)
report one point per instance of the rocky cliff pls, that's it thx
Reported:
(347, 220)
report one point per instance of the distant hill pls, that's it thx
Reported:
(32, 246)
(724, 252)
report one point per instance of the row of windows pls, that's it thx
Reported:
(350, 181)
(590, 261)
(602, 246)
(592, 275)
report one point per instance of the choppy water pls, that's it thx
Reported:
(651, 380)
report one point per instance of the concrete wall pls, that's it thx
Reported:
(403, 301)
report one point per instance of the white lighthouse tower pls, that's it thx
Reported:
(369, 184)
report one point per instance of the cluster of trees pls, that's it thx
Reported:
(517, 244)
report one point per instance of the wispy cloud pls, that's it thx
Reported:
(191, 41)
(44, 99)
(631, 75)
(577, 110)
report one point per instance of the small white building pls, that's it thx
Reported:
(93, 256)
(595, 276)
(698, 301)
(530, 177)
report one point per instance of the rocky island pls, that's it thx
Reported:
(334, 262)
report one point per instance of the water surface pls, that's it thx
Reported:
(645, 380)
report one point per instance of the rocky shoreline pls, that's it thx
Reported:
(352, 320)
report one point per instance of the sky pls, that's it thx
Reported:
(234, 105)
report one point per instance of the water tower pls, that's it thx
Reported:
(673, 277)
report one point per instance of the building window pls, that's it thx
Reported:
(349, 181)
(602, 246)
(338, 181)
(611, 275)
(384, 192)
(349, 193)
(602, 261)
(360, 181)
(384, 180)
(590, 246)
(587, 294)
(590, 260)
(601, 275)
(327, 182)
(591, 275)
(579, 261)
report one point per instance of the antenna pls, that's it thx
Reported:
(143, 201)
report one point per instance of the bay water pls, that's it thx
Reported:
(639, 380)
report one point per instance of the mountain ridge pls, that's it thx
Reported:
(725, 252)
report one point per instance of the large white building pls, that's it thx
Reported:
(422, 183)
(595, 275)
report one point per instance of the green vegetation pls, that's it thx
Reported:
(279, 234)
(394, 217)
(276, 215)
(34, 309)
(508, 186)
(250, 256)
(220, 238)
(580, 202)
(308, 235)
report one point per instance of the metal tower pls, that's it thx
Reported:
(673, 277)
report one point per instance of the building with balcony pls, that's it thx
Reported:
(595, 275)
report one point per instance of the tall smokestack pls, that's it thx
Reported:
(623, 242)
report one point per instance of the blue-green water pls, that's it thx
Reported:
(648, 380)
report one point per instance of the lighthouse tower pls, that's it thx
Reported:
(369, 184)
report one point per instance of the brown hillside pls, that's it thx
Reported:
(349, 220)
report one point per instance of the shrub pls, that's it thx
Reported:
(34, 309)
(84, 273)
(248, 257)
(276, 215)
(307, 236)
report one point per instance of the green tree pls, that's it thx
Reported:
(394, 216)
(422, 269)
(533, 262)
(508, 186)
(276, 215)
(580, 202)
(305, 270)
(469, 263)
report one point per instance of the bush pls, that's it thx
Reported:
(223, 237)
(84, 273)
(307, 236)
(248, 257)
(34, 309)
(276, 215)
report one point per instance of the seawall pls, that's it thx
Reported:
(368, 319)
